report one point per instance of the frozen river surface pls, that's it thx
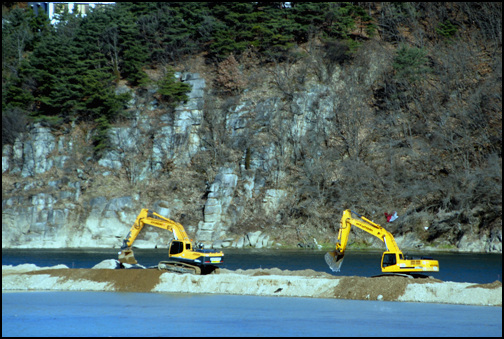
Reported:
(150, 314)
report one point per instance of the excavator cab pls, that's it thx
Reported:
(396, 262)
(388, 259)
(184, 259)
(176, 247)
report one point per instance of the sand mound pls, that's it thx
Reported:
(277, 271)
(28, 268)
(263, 282)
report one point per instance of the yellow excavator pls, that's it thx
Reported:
(182, 257)
(393, 260)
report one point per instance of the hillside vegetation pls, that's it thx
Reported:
(406, 111)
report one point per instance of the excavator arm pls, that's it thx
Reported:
(393, 260)
(364, 224)
(335, 258)
(146, 217)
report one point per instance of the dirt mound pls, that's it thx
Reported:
(277, 271)
(134, 280)
(379, 288)
(494, 285)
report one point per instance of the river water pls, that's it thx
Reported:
(458, 267)
(180, 315)
(168, 314)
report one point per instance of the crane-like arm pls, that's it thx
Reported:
(146, 217)
(393, 260)
(335, 258)
(364, 224)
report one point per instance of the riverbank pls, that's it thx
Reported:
(259, 282)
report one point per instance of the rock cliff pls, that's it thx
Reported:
(223, 168)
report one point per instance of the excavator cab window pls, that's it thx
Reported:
(389, 259)
(176, 247)
(188, 246)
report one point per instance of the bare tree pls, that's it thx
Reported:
(229, 76)
(112, 47)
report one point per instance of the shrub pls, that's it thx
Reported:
(172, 90)
(446, 29)
(410, 63)
(229, 77)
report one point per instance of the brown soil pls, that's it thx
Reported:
(134, 280)
(494, 285)
(390, 288)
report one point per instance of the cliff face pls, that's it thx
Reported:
(248, 170)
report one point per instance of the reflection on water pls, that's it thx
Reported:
(153, 314)
(459, 267)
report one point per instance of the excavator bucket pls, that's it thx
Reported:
(334, 260)
(127, 257)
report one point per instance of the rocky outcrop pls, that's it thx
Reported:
(55, 195)
(59, 212)
(219, 198)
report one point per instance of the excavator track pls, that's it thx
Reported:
(178, 267)
(405, 275)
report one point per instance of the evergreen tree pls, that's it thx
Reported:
(172, 90)
(55, 69)
(133, 53)
(410, 63)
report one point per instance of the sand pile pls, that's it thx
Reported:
(262, 282)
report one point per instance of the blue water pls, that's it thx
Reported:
(163, 314)
(458, 267)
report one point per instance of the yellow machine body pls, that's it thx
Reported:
(182, 256)
(393, 260)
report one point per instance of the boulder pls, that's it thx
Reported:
(253, 237)
(108, 264)
(266, 241)
(227, 243)
(217, 245)
(240, 242)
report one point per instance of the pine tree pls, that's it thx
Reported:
(171, 89)
(410, 63)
